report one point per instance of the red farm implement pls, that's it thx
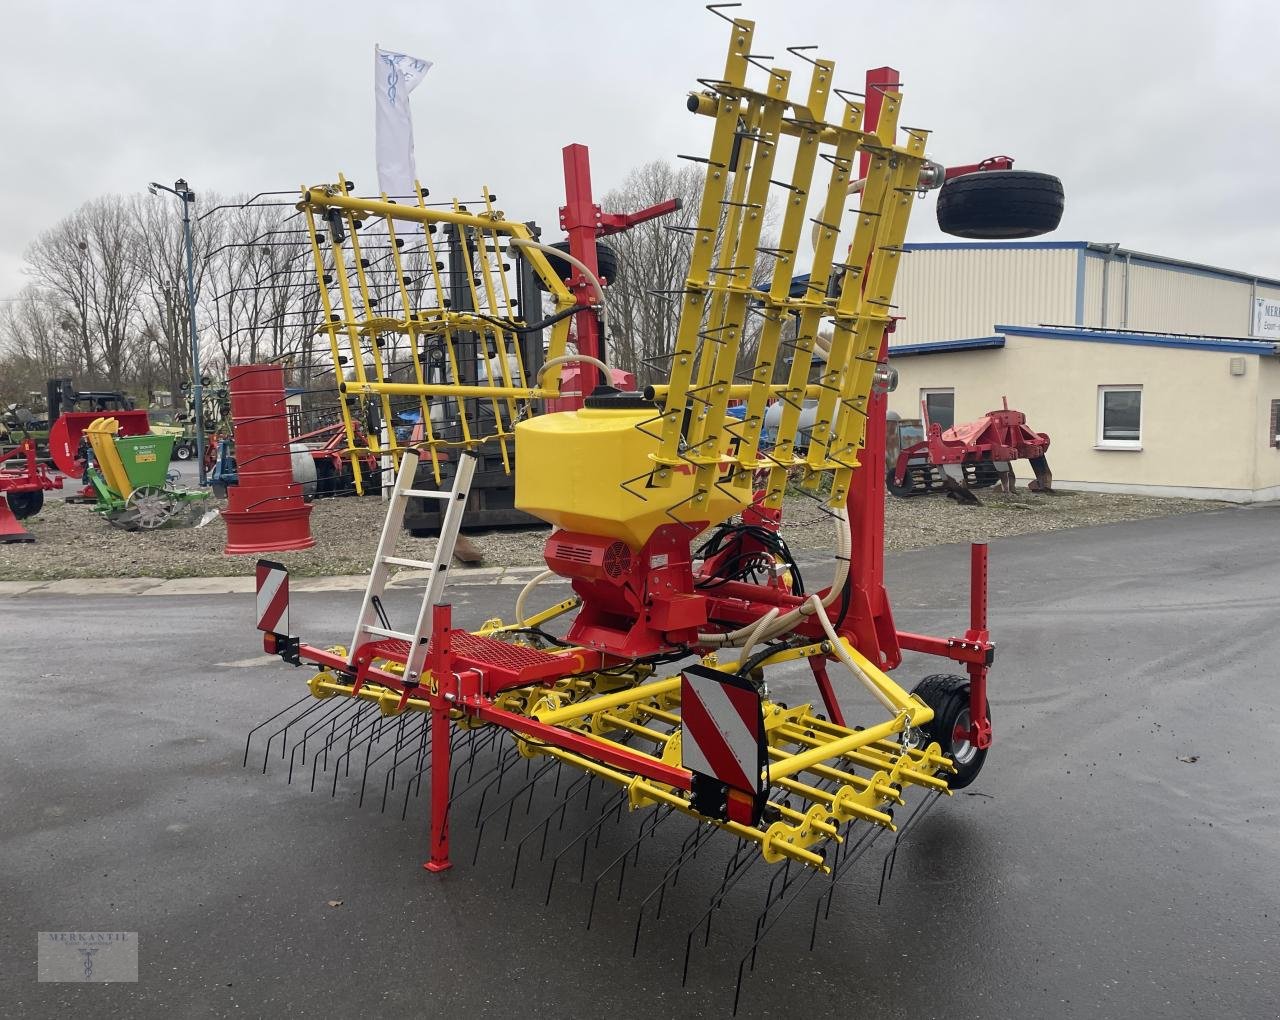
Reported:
(23, 483)
(923, 457)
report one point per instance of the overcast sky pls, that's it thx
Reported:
(1159, 117)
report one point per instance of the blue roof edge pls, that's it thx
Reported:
(976, 343)
(1241, 346)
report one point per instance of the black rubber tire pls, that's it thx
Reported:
(183, 451)
(606, 262)
(985, 475)
(1000, 204)
(26, 504)
(904, 491)
(326, 481)
(948, 695)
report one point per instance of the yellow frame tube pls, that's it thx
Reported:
(604, 702)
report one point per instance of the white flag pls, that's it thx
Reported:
(395, 75)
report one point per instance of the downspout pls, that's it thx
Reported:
(1125, 310)
(1111, 250)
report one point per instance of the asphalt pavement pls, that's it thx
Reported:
(1118, 856)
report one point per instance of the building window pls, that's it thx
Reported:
(1275, 424)
(940, 407)
(1120, 417)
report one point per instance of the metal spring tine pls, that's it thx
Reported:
(284, 730)
(494, 736)
(700, 159)
(617, 817)
(493, 774)
(891, 858)
(424, 764)
(848, 95)
(368, 753)
(653, 820)
(545, 824)
(509, 803)
(334, 737)
(751, 953)
(619, 797)
(798, 51)
(852, 853)
(389, 780)
(401, 740)
(785, 874)
(332, 712)
(689, 847)
(351, 725)
(266, 722)
(717, 900)
(373, 727)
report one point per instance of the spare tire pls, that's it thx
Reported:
(606, 262)
(1000, 204)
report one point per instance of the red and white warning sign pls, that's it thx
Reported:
(273, 597)
(722, 740)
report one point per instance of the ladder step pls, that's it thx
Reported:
(427, 493)
(401, 561)
(386, 632)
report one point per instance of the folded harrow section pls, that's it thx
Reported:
(422, 301)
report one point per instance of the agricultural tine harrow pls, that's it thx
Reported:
(649, 689)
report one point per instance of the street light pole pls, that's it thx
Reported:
(186, 196)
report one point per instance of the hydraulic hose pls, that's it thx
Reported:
(567, 358)
(526, 591)
(787, 622)
(546, 249)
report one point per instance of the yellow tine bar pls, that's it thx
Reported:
(693, 304)
(797, 763)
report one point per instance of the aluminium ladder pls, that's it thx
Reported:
(370, 625)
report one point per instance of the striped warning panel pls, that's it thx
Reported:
(722, 728)
(273, 597)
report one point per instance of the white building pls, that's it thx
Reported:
(1149, 374)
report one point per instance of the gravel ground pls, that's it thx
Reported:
(73, 541)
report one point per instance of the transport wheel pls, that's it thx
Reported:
(26, 504)
(183, 452)
(948, 695)
(1000, 204)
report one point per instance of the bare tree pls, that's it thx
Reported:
(653, 259)
(87, 261)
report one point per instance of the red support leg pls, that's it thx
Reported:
(441, 755)
(819, 666)
(980, 724)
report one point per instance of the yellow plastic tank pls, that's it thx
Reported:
(586, 471)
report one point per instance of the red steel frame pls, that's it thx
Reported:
(870, 623)
(584, 222)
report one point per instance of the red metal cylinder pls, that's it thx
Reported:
(266, 511)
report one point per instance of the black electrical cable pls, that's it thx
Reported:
(511, 327)
(744, 563)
